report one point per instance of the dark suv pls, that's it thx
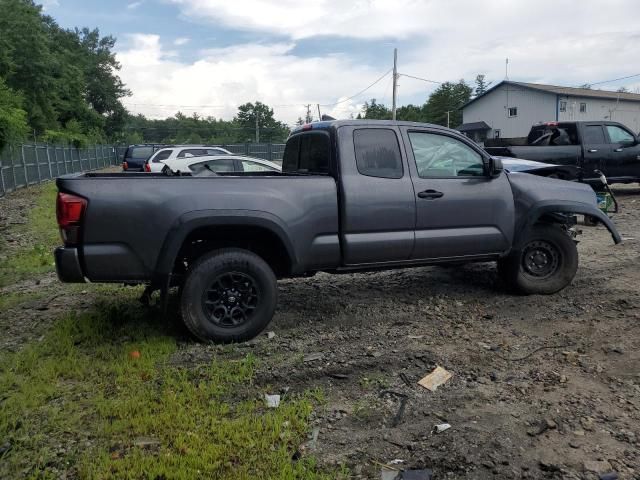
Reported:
(136, 155)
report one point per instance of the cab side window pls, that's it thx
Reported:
(619, 135)
(377, 152)
(442, 156)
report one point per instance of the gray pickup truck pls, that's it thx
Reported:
(352, 195)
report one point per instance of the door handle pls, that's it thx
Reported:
(430, 194)
(618, 150)
(592, 150)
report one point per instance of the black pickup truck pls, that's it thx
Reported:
(352, 195)
(609, 147)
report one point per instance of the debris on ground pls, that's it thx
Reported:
(273, 401)
(271, 335)
(441, 427)
(436, 378)
(143, 442)
(423, 474)
(313, 357)
(597, 466)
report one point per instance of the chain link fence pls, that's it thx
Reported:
(29, 164)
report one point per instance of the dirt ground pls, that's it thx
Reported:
(542, 386)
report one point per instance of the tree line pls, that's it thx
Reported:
(443, 107)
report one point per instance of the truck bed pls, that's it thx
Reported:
(129, 215)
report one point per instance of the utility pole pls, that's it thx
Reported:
(448, 112)
(257, 127)
(308, 118)
(395, 82)
(319, 116)
(506, 69)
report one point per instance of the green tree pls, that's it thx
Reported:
(481, 85)
(448, 97)
(270, 129)
(13, 119)
(375, 111)
(65, 77)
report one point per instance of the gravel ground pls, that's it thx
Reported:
(542, 386)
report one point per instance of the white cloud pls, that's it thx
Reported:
(570, 44)
(465, 20)
(134, 5)
(224, 78)
(47, 4)
(180, 41)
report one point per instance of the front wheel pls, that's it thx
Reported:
(229, 295)
(546, 263)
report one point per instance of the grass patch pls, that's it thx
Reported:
(41, 233)
(78, 403)
(13, 299)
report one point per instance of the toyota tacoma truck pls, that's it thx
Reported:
(594, 147)
(352, 196)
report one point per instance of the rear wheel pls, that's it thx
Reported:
(545, 264)
(229, 295)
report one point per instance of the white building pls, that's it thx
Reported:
(510, 108)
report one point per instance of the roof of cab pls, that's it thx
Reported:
(326, 125)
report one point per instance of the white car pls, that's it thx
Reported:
(222, 163)
(169, 154)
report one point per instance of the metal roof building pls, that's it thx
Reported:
(510, 108)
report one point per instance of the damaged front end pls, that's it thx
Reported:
(538, 198)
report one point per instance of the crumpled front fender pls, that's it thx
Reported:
(539, 209)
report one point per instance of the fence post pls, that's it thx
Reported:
(4, 190)
(246, 149)
(49, 161)
(35, 152)
(24, 165)
(270, 151)
(64, 159)
(13, 168)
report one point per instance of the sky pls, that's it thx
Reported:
(209, 56)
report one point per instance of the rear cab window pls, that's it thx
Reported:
(308, 152)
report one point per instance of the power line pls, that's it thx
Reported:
(359, 93)
(616, 79)
(418, 78)
(160, 105)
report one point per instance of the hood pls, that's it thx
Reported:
(565, 172)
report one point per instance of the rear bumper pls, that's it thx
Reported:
(135, 165)
(68, 265)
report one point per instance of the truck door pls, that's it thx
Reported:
(460, 210)
(377, 203)
(595, 149)
(623, 161)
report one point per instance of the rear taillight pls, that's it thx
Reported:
(147, 167)
(69, 212)
(125, 166)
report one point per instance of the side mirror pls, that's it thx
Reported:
(495, 167)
